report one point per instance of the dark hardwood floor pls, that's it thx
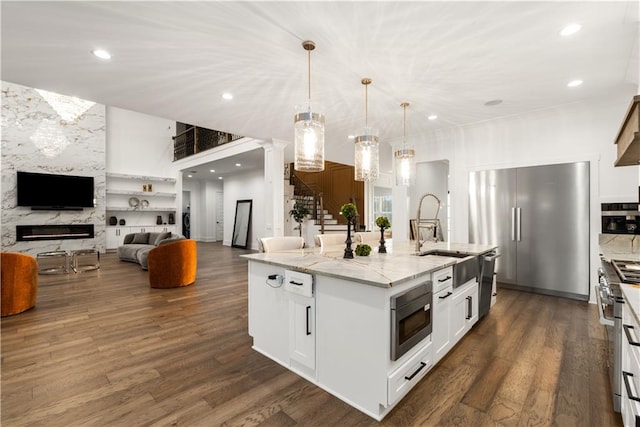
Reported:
(102, 348)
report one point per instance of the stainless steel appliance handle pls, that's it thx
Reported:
(469, 308)
(628, 334)
(627, 385)
(518, 224)
(513, 223)
(603, 319)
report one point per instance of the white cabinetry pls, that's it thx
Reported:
(454, 311)
(115, 236)
(302, 336)
(464, 310)
(282, 316)
(442, 300)
(630, 402)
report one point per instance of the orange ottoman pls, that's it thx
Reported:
(173, 264)
(19, 282)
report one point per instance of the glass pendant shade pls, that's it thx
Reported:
(405, 166)
(309, 139)
(404, 158)
(366, 154)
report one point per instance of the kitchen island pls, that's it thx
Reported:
(329, 319)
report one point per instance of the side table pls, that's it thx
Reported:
(54, 262)
(85, 260)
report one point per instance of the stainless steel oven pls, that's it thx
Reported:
(609, 298)
(411, 318)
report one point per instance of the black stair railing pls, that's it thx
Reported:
(195, 139)
(304, 194)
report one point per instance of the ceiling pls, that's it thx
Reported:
(174, 59)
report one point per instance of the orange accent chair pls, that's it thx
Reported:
(173, 264)
(19, 287)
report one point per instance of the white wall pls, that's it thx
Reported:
(247, 186)
(139, 144)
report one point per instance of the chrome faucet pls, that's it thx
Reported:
(419, 242)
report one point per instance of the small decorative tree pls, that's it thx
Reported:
(349, 211)
(298, 213)
(382, 222)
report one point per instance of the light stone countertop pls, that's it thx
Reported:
(397, 266)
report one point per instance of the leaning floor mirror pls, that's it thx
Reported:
(241, 224)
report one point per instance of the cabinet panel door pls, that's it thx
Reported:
(458, 314)
(115, 236)
(440, 334)
(302, 334)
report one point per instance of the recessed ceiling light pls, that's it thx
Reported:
(219, 177)
(574, 83)
(570, 29)
(238, 164)
(212, 170)
(351, 136)
(432, 117)
(101, 53)
(493, 102)
(189, 176)
(228, 96)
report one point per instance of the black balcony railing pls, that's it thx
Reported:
(193, 140)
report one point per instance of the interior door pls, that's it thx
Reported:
(553, 237)
(219, 216)
(492, 198)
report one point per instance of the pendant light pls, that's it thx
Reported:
(405, 157)
(309, 129)
(366, 145)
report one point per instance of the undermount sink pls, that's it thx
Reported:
(437, 252)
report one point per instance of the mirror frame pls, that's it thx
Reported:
(242, 224)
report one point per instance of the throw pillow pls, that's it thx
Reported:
(161, 237)
(141, 239)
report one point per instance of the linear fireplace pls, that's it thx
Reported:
(54, 232)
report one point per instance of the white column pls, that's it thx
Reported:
(274, 186)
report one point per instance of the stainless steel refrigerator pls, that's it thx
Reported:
(539, 218)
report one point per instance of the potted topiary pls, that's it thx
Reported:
(298, 213)
(382, 222)
(349, 211)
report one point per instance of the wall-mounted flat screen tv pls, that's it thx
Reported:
(53, 191)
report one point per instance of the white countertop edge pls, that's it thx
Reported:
(378, 270)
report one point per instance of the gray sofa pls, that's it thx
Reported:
(136, 246)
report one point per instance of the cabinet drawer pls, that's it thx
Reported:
(298, 283)
(406, 376)
(442, 278)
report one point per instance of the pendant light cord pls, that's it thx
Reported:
(366, 104)
(309, 73)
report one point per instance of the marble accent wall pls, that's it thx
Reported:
(50, 133)
(619, 243)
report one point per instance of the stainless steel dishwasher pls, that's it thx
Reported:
(487, 269)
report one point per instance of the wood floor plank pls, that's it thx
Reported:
(103, 348)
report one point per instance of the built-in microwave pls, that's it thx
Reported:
(620, 218)
(411, 318)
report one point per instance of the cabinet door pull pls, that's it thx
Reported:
(445, 279)
(469, 308)
(410, 377)
(308, 323)
(296, 283)
(446, 296)
(625, 377)
(628, 334)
